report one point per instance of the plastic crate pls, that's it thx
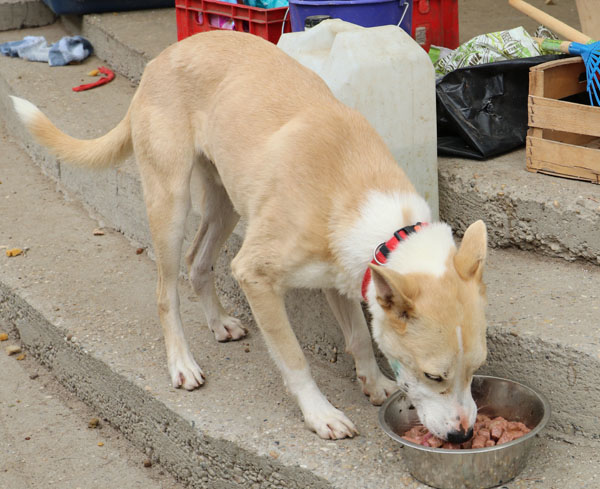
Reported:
(435, 22)
(193, 16)
(80, 7)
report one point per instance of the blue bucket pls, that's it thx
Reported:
(366, 13)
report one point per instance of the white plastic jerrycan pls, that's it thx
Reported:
(384, 74)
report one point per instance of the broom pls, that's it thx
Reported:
(584, 47)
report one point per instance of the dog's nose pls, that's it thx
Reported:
(460, 436)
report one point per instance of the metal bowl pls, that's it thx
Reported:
(474, 468)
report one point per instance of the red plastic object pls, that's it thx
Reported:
(101, 81)
(195, 16)
(435, 22)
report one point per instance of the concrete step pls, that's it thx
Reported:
(531, 211)
(542, 311)
(126, 40)
(16, 14)
(83, 305)
(535, 212)
(116, 195)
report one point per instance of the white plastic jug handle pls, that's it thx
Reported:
(284, 19)
(406, 5)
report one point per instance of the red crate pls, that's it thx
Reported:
(193, 17)
(435, 22)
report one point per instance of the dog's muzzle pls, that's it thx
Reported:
(460, 436)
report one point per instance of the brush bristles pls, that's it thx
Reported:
(593, 77)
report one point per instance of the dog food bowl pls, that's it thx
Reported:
(474, 468)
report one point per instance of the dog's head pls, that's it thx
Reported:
(430, 324)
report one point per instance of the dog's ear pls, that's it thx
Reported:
(470, 257)
(394, 290)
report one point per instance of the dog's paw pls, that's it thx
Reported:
(186, 373)
(228, 329)
(378, 389)
(330, 424)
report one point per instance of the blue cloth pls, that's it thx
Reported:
(69, 49)
(266, 3)
(35, 48)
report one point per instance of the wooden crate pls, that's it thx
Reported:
(563, 137)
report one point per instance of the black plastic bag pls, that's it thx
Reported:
(482, 110)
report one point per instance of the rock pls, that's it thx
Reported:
(14, 252)
(13, 349)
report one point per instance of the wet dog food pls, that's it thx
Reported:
(487, 432)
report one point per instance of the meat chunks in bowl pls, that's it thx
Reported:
(487, 432)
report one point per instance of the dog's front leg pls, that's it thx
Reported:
(268, 307)
(358, 342)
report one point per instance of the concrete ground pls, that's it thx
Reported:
(481, 16)
(83, 305)
(16, 14)
(46, 439)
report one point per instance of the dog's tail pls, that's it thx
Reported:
(102, 152)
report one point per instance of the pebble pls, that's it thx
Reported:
(13, 349)
(3, 336)
(100, 444)
(139, 251)
(21, 356)
(98, 232)
(94, 423)
(147, 463)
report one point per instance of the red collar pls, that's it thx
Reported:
(384, 249)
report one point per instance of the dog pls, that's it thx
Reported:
(264, 138)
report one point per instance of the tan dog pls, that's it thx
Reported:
(319, 189)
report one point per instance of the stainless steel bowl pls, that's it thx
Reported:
(475, 468)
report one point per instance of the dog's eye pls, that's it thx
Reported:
(436, 378)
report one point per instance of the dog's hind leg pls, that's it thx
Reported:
(165, 178)
(218, 218)
(255, 268)
(350, 316)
